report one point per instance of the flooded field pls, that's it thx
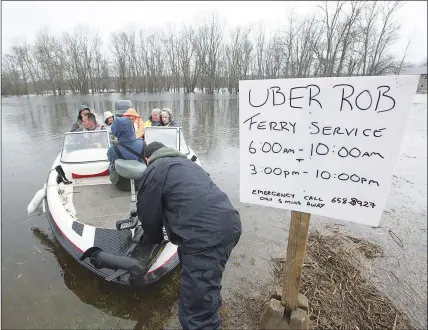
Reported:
(43, 287)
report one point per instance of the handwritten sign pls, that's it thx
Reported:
(324, 146)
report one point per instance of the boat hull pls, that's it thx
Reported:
(77, 236)
(151, 277)
(83, 206)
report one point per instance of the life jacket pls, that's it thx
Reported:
(148, 123)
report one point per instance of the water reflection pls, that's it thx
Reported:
(37, 126)
(141, 306)
(200, 117)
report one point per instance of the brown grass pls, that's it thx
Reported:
(340, 296)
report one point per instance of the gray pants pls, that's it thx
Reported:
(201, 277)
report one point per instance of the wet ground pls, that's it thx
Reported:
(42, 287)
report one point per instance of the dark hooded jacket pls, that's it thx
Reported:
(124, 131)
(178, 194)
(78, 123)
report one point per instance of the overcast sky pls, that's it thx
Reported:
(22, 19)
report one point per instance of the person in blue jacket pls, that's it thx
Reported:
(128, 148)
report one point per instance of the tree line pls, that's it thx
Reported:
(342, 38)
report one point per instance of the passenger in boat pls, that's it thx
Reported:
(136, 120)
(168, 118)
(108, 120)
(128, 148)
(89, 123)
(84, 109)
(199, 218)
(154, 119)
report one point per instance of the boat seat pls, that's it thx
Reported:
(129, 169)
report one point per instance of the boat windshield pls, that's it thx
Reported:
(170, 136)
(82, 147)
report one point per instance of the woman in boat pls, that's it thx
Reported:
(136, 120)
(84, 109)
(154, 119)
(108, 120)
(168, 118)
(128, 148)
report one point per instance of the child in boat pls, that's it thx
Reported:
(167, 118)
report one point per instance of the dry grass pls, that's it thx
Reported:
(340, 296)
(335, 283)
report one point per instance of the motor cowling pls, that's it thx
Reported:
(100, 259)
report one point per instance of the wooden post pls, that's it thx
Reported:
(297, 238)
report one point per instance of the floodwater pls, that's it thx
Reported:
(43, 287)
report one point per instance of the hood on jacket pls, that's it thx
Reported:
(107, 114)
(165, 152)
(123, 129)
(131, 112)
(82, 107)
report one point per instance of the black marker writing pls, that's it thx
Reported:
(295, 98)
(277, 92)
(258, 106)
(355, 131)
(384, 94)
(271, 125)
(343, 152)
(279, 98)
(312, 97)
(359, 101)
(326, 175)
(343, 95)
(359, 95)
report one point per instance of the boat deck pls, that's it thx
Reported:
(101, 205)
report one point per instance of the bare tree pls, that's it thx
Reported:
(171, 48)
(260, 52)
(11, 75)
(120, 51)
(388, 34)
(185, 55)
(238, 56)
(341, 38)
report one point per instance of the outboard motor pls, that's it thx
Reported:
(120, 264)
(121, 106)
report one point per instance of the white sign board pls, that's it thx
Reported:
(323, 146)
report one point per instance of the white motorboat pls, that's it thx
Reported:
(94, 221)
